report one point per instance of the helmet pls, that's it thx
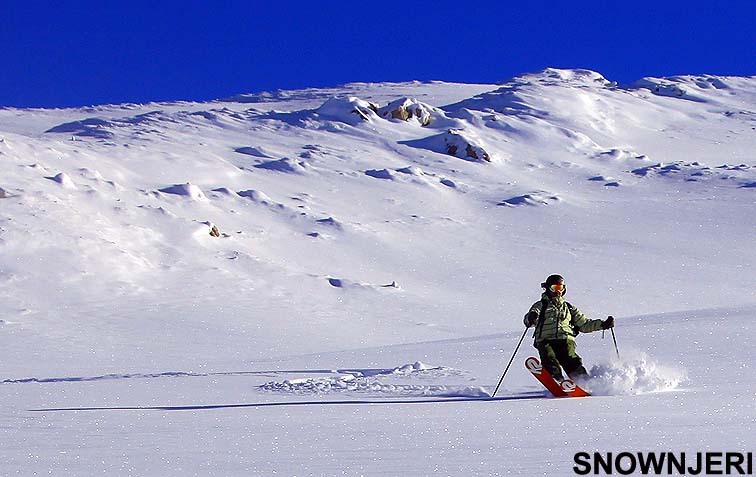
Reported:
(554, 279)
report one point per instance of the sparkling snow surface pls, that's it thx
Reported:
(367, 281)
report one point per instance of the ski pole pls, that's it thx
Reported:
(510, 362)
(615, 343)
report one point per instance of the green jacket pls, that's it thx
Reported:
(559, 320)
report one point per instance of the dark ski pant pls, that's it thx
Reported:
(556, 354)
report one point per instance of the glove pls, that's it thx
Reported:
(530, 319)
(608, 323)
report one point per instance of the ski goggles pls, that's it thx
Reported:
(557, 287)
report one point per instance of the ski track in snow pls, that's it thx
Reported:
(375, 383)
(639, 374)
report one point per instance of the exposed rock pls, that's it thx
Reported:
(460, 146)
(406, 109)
(350, 110)
(453, 142)
(661, 87)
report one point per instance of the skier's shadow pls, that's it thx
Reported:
(208, 407)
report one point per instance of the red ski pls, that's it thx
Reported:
(567, 388)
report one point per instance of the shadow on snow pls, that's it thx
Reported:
(365, 372)
(519, 397)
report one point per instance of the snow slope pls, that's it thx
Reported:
(377, 247)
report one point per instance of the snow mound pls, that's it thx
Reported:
(187, 190)
(685, 87)
(535, 198)
(601, 178)
(637, 375)
(256, 196)
(415, 367)
(621, 154)
(412, 171)
(64, 180)
(90, 127)
(571, 76)
(224, 192)
(253, 151)
(330, 222)
(351, 110)
(284, 165)
(380, 174)
(261, 198)
(607, 180)
(454, 142)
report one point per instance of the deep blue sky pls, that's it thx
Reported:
(57, 54)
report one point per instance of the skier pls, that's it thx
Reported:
(556, 325)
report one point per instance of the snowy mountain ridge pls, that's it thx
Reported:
(446, 207)
(208, 286)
